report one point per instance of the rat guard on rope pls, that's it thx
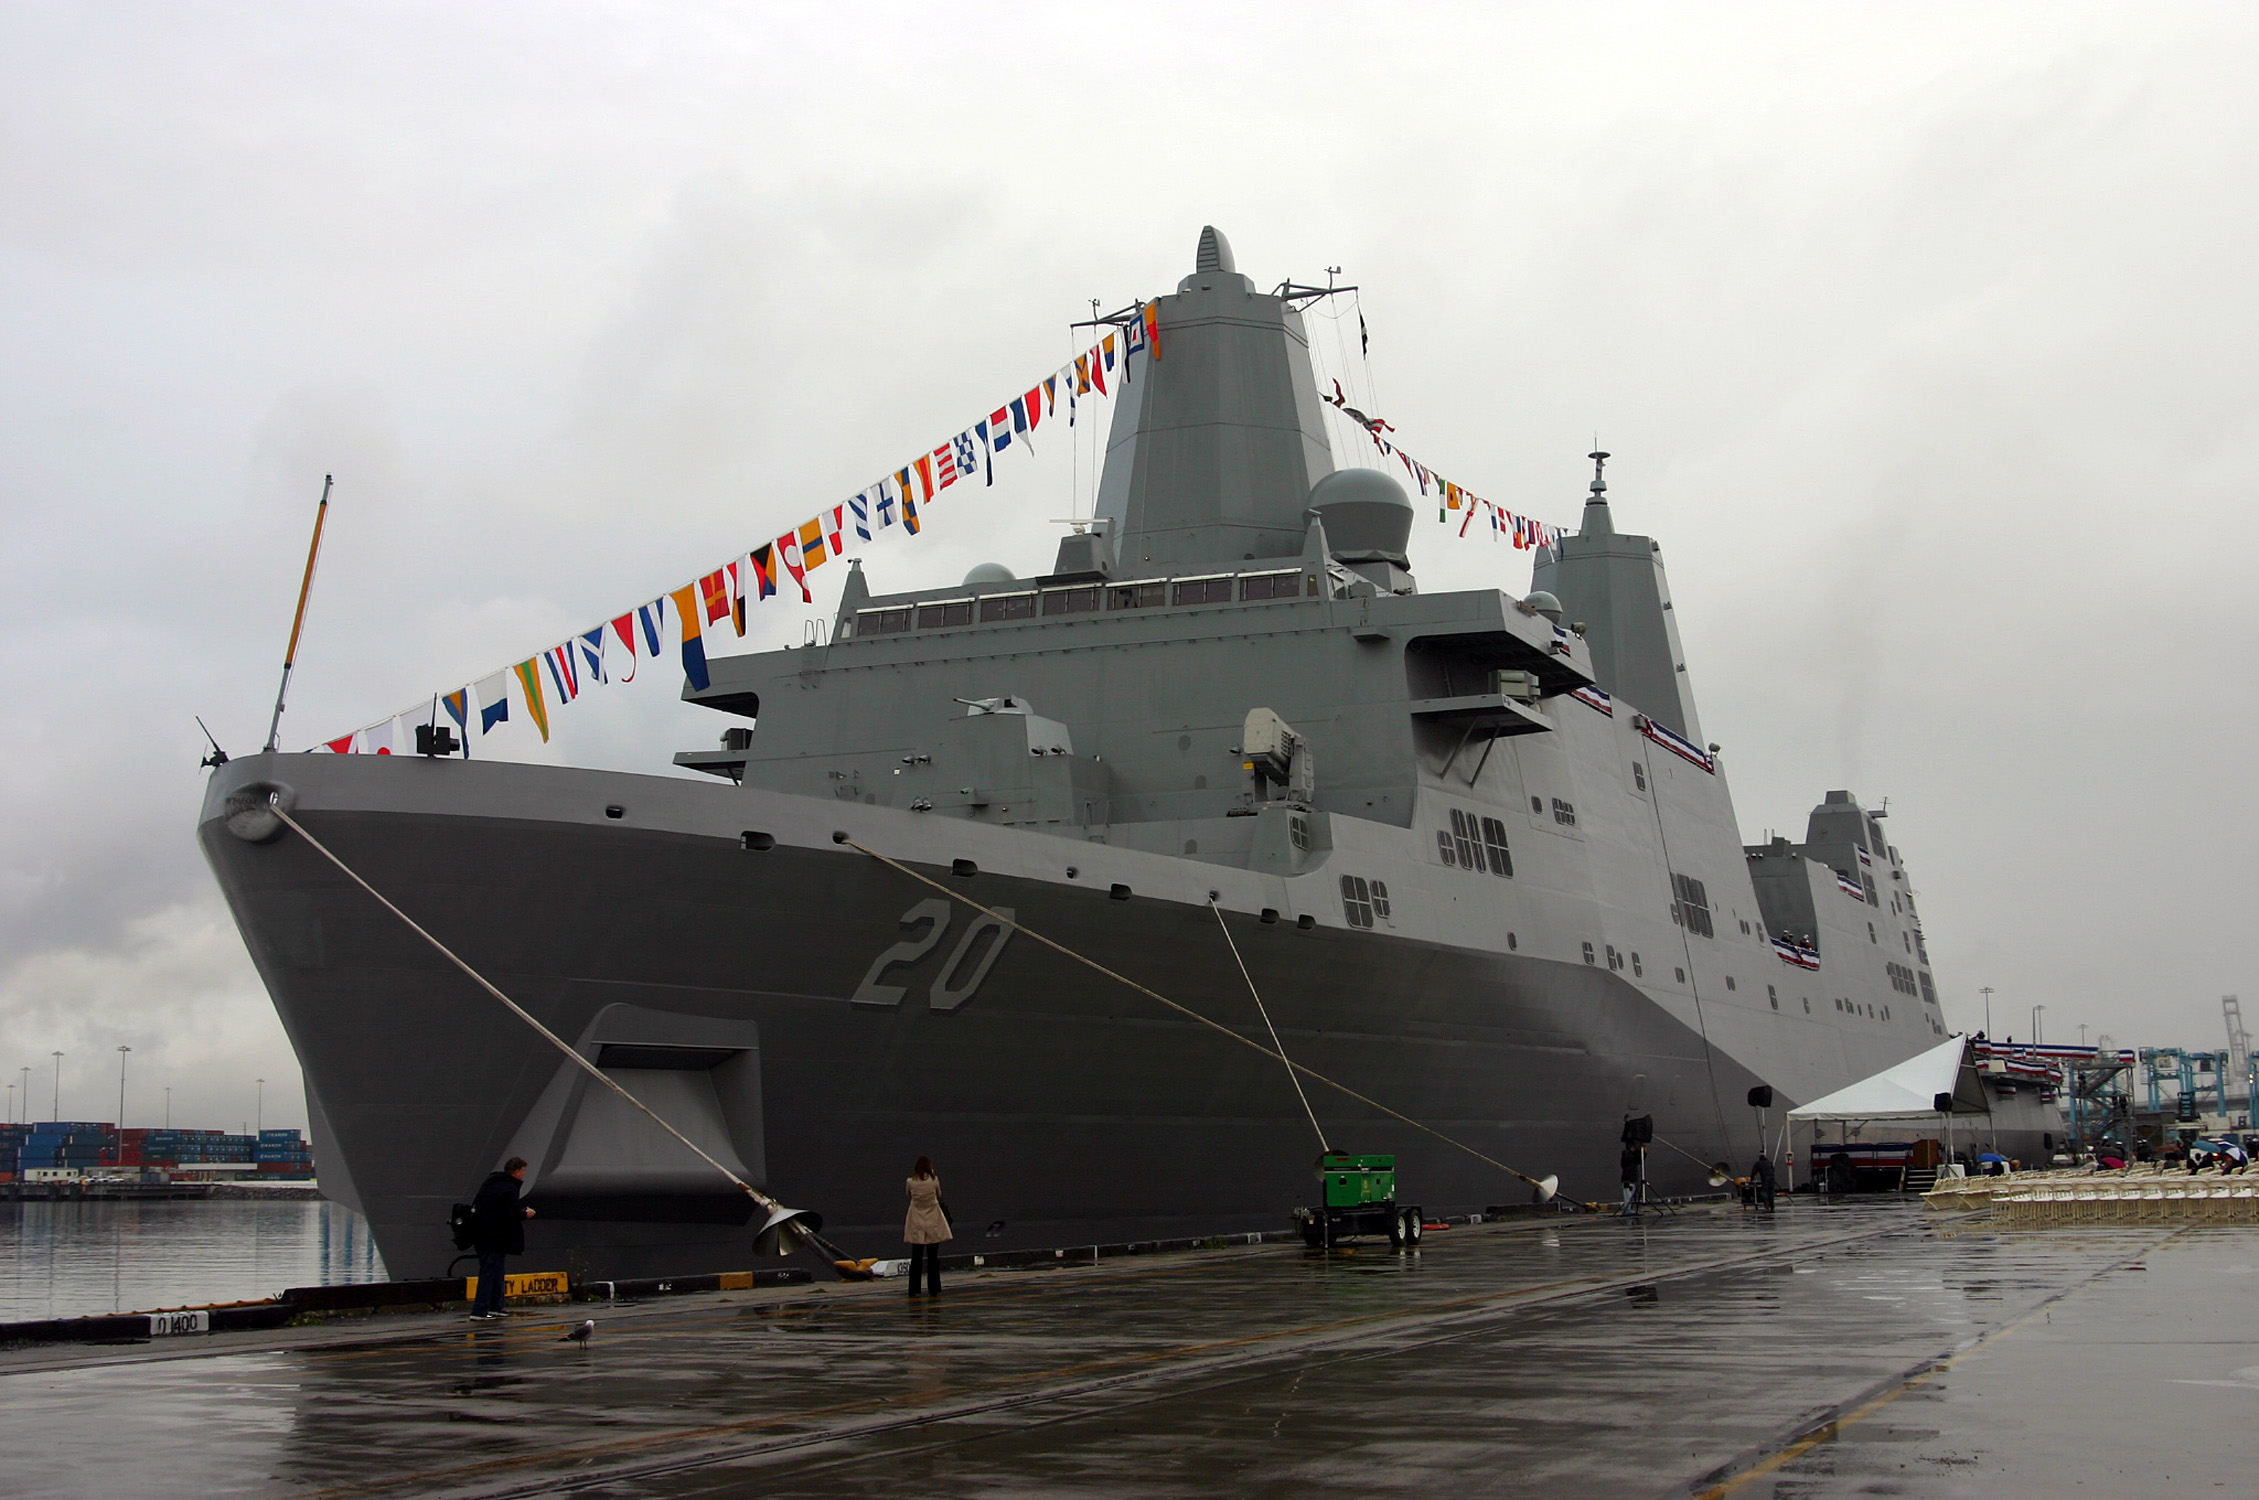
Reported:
(784, 1227)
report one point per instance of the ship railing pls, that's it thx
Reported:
(1262, 586)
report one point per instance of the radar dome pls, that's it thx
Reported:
(1542, 603)
(989, 573)
(1365, 511)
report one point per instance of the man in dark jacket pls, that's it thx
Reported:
(1764, 1185)
(498, 1230)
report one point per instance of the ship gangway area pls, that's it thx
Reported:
(1853, 1348)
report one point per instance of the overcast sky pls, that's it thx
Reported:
(1924, 337)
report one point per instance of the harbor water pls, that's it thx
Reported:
(74, 1259)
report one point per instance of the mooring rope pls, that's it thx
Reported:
(1265, 1012)
(274, 805)
(1548, 1187)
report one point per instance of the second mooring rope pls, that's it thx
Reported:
(1265, 1012)
(1542, 1185)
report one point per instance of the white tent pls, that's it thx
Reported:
(1908, 1090)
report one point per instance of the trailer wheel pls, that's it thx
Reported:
(1313, 1233)
(1408, 1228)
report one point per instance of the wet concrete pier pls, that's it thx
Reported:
(1848, 1349)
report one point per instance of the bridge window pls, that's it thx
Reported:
(882, 621)
(1203, 591)
(1467, 836)
(1074, 601)
(1137, 595)
(1692, 908)
(1443, 846)
(1588, 953)
(1494, 840)
(1007, 607)
(1258, 586)
(945, 612)
(1356, 901)
(1564, 813)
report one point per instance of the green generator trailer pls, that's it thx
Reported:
(1357, 1195)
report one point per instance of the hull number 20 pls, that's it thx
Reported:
(961, 973)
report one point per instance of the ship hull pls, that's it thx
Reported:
(1058, 1101)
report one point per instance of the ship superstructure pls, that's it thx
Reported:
(1479, 860)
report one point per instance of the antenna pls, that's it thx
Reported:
(298, 621)
(218, 757)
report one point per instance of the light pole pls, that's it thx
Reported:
(122, 1051)
(168, 1109)
(2082, 1033)
(11, 1104)
(58, 1085)
(2036, 1010)
(259, 1108)
(1987, 993)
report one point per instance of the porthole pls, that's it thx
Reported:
(1807, 1005)
(1512, 942)
(1638, 970)
(1729, 982)
(1681, 974)
(1537, 804)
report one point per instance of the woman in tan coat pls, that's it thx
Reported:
(926, 1227)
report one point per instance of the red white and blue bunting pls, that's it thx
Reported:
(1685, 749)
(1791, 952)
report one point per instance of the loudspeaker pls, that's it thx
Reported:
(1761, 1097)
(1639, 1131)
(1943, 1104)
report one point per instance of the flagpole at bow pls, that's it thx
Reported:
(298, 620)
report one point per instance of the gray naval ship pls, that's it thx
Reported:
(1478, 857)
